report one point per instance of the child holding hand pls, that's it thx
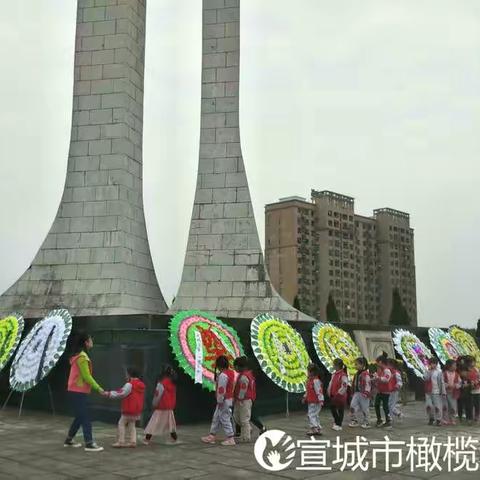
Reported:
(132, 395)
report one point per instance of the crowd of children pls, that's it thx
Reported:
(451, 393)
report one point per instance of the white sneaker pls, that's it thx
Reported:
(365, 425)
(353, 424)
(337, 428)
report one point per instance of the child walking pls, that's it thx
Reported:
(164, 402)
(337, 391)
(132, 395)
(384, 381)
(397, 385)
(474, 377)
(434, 393)
(362, 389)
(465, 404)
(314, 399)
(245, 394)
(222, 417)
(453, 384)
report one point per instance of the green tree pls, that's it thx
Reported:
(398, 314)
(332, 312)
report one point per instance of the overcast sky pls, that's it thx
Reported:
(376, 99)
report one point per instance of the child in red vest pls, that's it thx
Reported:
(337, 391)
(132, 395)
(164, 402)
(362, 389)
(245, 393)
(434, 392)
(397, 384)
(474, 378)
(385, 383)
(225, 382)
(314, 399)
(453, 384)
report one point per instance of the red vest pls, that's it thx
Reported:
(428, 385)
(362, 382)
(312, 396)
(251, 393)
(455, 391)
(385, 387)
(168, 401)
(474, 377)
(132, 404)
(230, 384)
(335, 385)
(394, 378)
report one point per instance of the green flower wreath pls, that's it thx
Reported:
(217, 339)
(444, 345)
(11, 329)
(466, 341)
(280, 351)
(331, 342)
(413, 351)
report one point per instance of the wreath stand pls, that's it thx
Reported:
(287, 409)
(50, 395)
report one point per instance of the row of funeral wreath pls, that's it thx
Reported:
(198, 338)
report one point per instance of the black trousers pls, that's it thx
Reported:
(465, 405)
(338, 413)
(382, 399)
(476, 405)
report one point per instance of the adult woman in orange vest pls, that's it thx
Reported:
(80, 384)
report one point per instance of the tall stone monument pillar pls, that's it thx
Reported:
(224, 270)
(96, 258)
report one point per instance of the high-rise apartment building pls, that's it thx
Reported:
(320, 248)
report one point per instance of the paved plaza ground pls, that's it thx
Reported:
(32, 447)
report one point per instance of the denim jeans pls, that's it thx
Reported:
(79, 403)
